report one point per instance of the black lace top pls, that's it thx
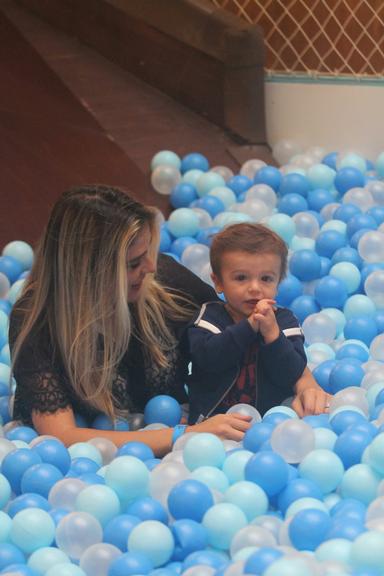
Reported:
(43, 385)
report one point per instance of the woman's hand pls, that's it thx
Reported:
(226, 426)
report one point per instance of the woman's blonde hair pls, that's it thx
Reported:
(78, 288)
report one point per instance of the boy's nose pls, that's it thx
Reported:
(255, 286)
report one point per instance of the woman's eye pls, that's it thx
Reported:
(133, 265)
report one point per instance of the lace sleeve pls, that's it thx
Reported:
(41, 392)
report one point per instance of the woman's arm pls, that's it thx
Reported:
(309, 398)
(62, 425)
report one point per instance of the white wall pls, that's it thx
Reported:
(332, 115)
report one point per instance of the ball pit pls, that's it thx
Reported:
(302, 497)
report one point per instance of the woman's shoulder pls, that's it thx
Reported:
(175, 276)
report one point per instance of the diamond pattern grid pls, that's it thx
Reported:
(318, 37)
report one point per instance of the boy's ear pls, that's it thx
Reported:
(217, 283)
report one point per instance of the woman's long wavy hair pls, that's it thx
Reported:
(78, 288)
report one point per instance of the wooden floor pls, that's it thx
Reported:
(68, 116)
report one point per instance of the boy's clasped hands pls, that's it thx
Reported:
(263, 320)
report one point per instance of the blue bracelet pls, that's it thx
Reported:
(178, 431)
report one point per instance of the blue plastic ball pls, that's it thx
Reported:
(360, 222)
(189, 537)
(29, 500)
(298, 488)
(164, 409)
(345, 419)
(211, 204)
(294, 183)
(331, 292)
(330, 160)
(24, 433)
(239, 183)
(322, 372)
(182, 195)
(256, 436)
(130, 564)
(345, 373)
(362, 328)
(377, 212)
(268, 470)
(289, 289)
(212, 558)
(319, 198)
(137, 449)
(353, 349)
(346, 211)
(205, 235)
(305, 265)
(346, 530)
(16, 463)
(350, 446)
(268, 175)
(180, 244)
(309, 528)
(165, 240)
(194, 161)
(147, 508)
(258, 561)
(347, 254)
(11, 267)
(52, 451)
(190, 499)
(82, 465)
(10, 554)
(347, 178)
(117, 530)
(40, 478)
(304, 306)
(292, 203)
(328, 241)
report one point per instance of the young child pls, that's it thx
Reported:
(246, 349)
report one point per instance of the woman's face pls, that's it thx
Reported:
(139, 263)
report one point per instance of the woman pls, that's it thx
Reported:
(95, 330)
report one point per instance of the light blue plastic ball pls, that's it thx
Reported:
(45, 558)
(191, 177)
(249, 497)
(222, 521)
(212, 477)
(353, 160)
(32, 528)
(324, 468)
(128, 477)
(234, 464)
(283, 225)
(183, 222)
(203, 450)
(348, 273)
(65, 569)
(321, 176)
(359, 305)
(361, 483)
(153, 539)
(165, 157)
(100, 501)
(20, 251)
(367, 551)
(85, 450)
(207, 182)
(225, 194)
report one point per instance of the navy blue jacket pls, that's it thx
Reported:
(217, 346)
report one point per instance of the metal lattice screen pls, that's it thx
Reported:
(318, 37)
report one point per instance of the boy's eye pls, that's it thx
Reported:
(268, 279)
(240, 277)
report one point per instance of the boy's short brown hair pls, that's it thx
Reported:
(247, 237)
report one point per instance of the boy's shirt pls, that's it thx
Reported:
(218, 349)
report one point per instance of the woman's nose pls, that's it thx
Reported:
(149, 265)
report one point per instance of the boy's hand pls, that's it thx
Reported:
(264, 316)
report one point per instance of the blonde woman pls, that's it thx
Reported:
(97, 327)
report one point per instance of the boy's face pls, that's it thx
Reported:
(247, 278)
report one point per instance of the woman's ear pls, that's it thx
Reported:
(217, 283)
